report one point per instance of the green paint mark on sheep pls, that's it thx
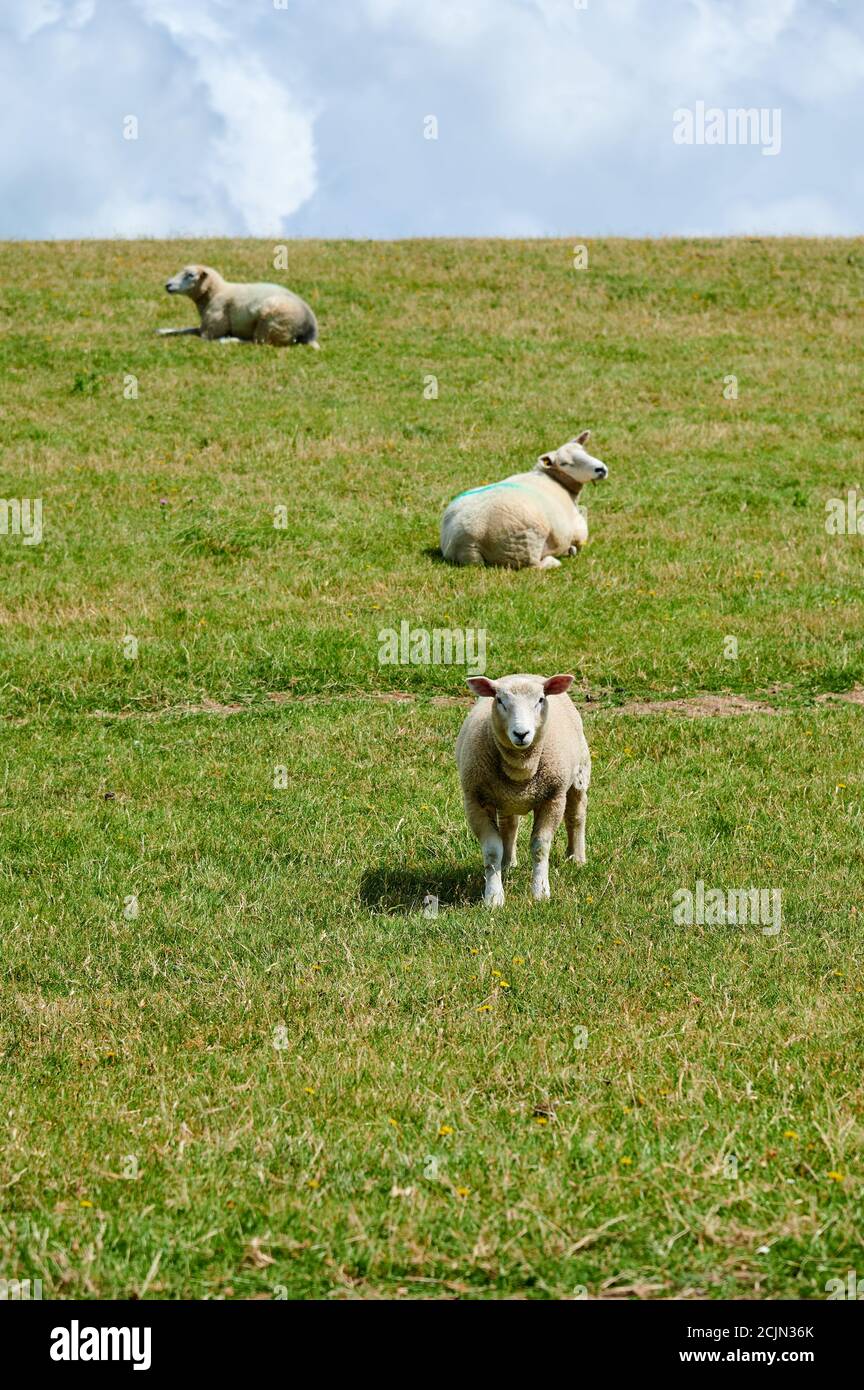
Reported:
(487, 487)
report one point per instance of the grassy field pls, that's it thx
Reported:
(237, 1060)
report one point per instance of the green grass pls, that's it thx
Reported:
(279, 1074)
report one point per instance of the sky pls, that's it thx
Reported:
(403, 118)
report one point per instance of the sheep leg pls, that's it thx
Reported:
(575, 815)
(547, 818)
(263, 332)
(549, 562)
(178, 332)
(509, 827)
(486, 830)
(216, 327)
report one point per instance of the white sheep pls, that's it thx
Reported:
(522, 749)
(235, 312)
(526, 520)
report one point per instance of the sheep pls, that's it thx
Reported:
(526, 520)
(524, 751)
(234, 313)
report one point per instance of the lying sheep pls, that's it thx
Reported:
(528, 518)
(235, 313)
(524, 751)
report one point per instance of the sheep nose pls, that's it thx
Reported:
(601, 471)
(521, 734)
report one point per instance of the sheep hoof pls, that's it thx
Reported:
(540, 892)
(510, 863)
(494, 897)
(575, 857)
(549, 563)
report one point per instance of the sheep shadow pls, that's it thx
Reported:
(433, 553)
(389, 890)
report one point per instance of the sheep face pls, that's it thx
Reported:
(573, 462)
(190, 280)
(520, 705)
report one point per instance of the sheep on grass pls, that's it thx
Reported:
(528, 519)
(236, 313)
(522, 749)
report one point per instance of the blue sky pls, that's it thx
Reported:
(310, 117)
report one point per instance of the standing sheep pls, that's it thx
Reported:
(527, 519)
(233, 313)
(524, 751)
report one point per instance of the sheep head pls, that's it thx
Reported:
(572, 465)
(192, 280)
(520, 705)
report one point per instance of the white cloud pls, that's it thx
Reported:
(27, 17)
(263, 159)
(309, 119)
(440, 23)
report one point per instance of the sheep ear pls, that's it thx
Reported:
(557, 685)
(546, 460)
(583, 437)
(480, 685)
